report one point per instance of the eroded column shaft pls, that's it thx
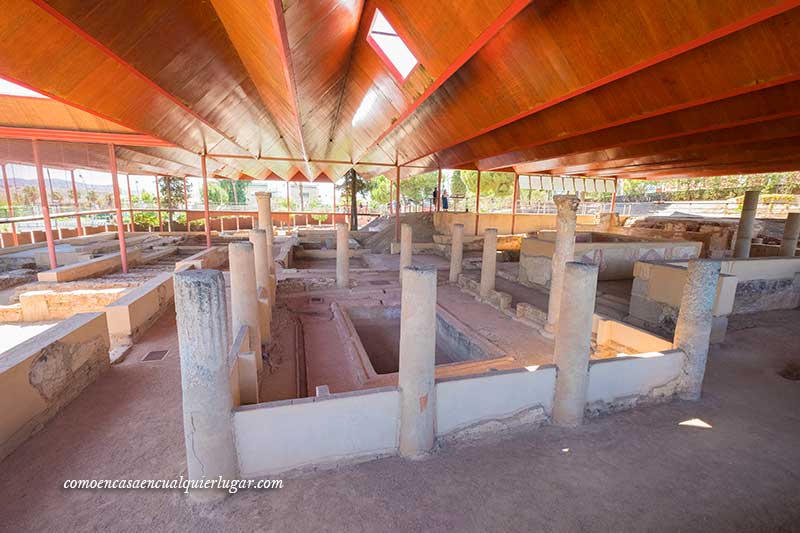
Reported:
(244, 295)
(573, 343)
(791, 232)
(456, 251)
(417, 360)
(566, 221)
(695, 318)
(406, 247)
(203, 340)
(258, 238)
(342, 256)
(489, 263)
(744, 234)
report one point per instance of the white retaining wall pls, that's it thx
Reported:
(633, 377)
(465, 402)
(285, 435)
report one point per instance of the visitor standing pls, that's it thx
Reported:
(444, 200)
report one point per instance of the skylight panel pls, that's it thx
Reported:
(390, 47)
(12, 89)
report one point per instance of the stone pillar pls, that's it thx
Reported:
(244, 297)
(406, 247)
(342, 256)
(263, 281)
(264, 201)
(203, 340)
(744, 234)
(695, 319)
(573, 343)
(566, 220)
(489, 263)
(791, 232)
(417, 360)
(456, 251)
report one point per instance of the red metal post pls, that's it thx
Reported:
(514, 203)
(186, 200)
(48, 228)
(439, 193)
(123, 251)
(77, 207)
(10, 207)
(158, 205)
(205, 200)
(131, 226)
(397, 199)
(477, 202)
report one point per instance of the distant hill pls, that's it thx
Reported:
(59, 184)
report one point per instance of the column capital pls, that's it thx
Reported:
(263, 194)
(566, 201)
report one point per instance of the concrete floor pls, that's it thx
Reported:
(639, 470)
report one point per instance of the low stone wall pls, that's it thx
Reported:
(615, 259)
(494, 401)
(213, 257)
(284, 251)
(746, 286)
(624, 338)
(324, 430)
(132, 315)
(524, 222)
(498, 299)
(622, 383)
(656, 299)
(43, 374)
(44, 305)
(90, 268)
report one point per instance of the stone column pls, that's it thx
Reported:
(566, 220)
(342, 256)
(572, 346)
(264, 201)
(258, 237)
(489, 263)
(417, 360)
(791, 232)
(203, 340)
(456, 251)
(244, 298)
(406, 247)
(695, 318)
(744, 234)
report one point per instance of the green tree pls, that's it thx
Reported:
(235, 190)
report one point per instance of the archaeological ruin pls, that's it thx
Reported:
(414, 273)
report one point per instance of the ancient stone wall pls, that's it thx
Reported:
(43, 374)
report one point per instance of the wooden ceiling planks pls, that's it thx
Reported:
(442, 36)
(40, 50)
(765, 55)
(766, 104)
(27, 112)
(183, 49)
(629, 154)
(558, 86)
(554, 51)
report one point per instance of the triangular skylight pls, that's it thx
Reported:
(12, 89)
(390, 47)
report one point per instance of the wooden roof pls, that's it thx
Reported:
(294, 89)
